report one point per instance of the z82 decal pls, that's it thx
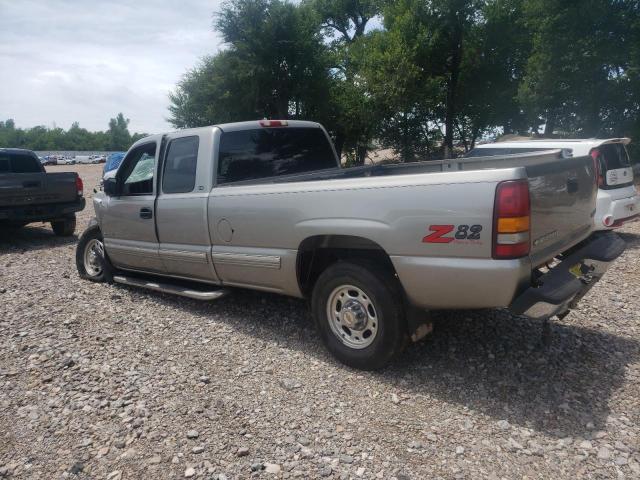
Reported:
(460, 235)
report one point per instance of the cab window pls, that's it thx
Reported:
(138, 169)
(179, 175)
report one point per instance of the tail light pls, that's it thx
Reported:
(597, 167)
(511, 220)
(273, 123)
(79, 186)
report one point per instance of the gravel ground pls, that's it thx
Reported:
(101, 381)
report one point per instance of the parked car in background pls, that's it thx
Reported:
(618, 200)
(50, 160)
(265, 205)
(29, 194)
(113, 161)
(83, 159)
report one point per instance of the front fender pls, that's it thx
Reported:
(93, 223)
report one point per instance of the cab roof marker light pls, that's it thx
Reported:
(273, 123)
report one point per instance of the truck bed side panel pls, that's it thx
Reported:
(257, 229)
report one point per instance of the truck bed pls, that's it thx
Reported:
(431, 166)
(395, 206)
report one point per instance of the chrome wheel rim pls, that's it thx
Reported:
(352, 316)
(93, 255)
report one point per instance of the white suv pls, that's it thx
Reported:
(618, 200)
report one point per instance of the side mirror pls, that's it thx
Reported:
(110, 187)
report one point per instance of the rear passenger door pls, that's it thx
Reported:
(181, 208)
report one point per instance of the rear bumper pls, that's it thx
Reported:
(618, 210)
(565, 284)
(45, 212)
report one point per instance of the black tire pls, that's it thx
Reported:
(106, 272)
(65, 227)
(12, 225)
(384, 292)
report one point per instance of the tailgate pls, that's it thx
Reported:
(563, 200)
(19, 189)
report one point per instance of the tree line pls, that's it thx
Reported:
(116, 138)
(426, 78)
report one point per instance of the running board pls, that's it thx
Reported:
(172, 288)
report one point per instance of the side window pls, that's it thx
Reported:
(138, 168)
(179, 175)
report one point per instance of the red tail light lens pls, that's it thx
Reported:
(79, 186)
(597, 166)
(511, 220)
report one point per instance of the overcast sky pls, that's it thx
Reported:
(86, 60)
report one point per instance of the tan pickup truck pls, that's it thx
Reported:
(265, 205)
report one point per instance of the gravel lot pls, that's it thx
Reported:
(101, 381)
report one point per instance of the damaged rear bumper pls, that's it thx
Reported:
(560, 289)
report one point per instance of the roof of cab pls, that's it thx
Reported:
(231, 127)
(16, 150)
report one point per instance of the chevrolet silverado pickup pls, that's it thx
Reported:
(265, 205)
(29, 194)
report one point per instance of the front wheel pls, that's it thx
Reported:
(359, 314)
(91, 259)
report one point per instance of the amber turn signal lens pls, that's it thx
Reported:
(513, 225)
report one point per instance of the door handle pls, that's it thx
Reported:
(146, 213)
(572, 185)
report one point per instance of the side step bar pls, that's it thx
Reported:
(172, 288)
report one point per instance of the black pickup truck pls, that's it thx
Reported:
(29, 194)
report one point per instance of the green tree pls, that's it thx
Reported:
(118, 136)
(274, 66)
(76, 138)
(353, 112)
(579, 67)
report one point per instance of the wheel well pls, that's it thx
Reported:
(317, 253)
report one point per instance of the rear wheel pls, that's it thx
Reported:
(91, 259)
(65, 227)
(359, 313)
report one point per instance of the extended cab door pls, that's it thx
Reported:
(128, 221)
(183, 229)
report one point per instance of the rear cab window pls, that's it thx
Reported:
(271, 152)
(18, 162)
